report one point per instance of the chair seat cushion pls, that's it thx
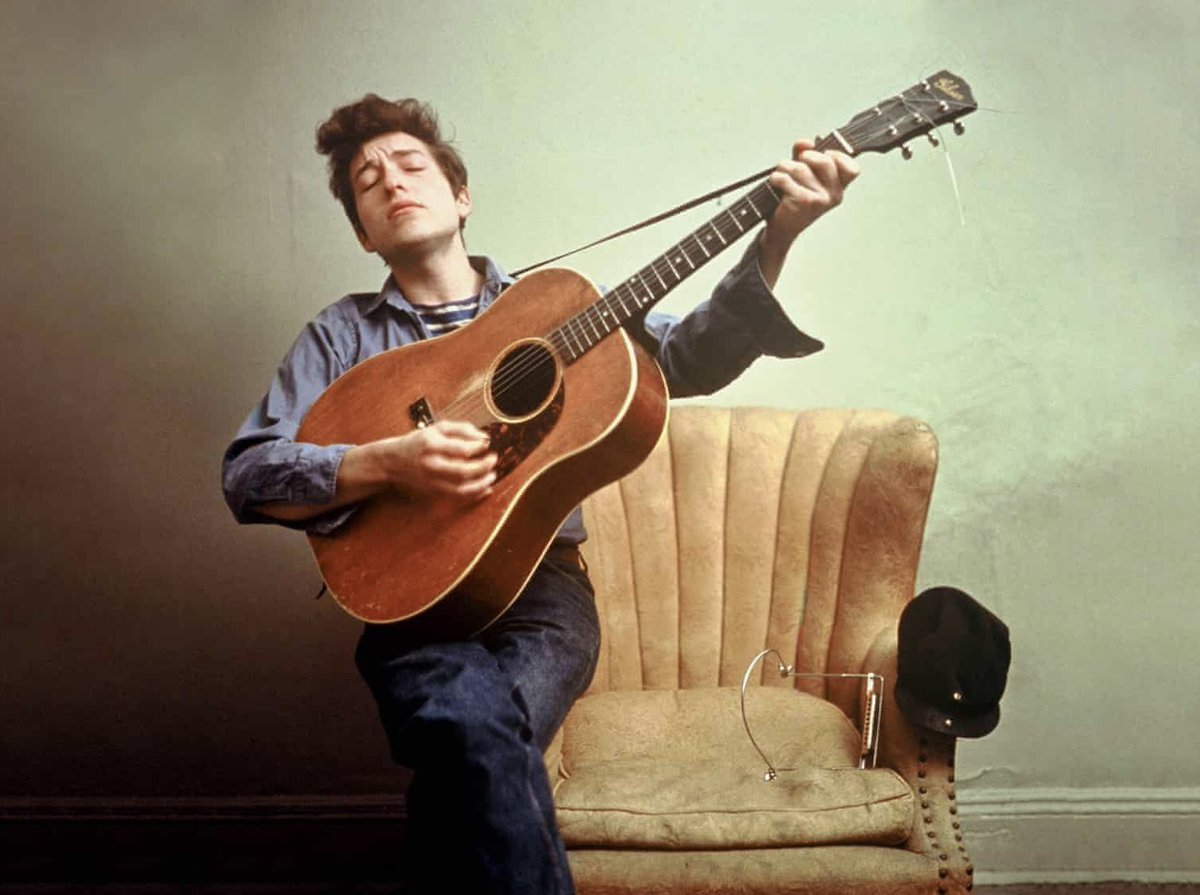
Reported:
(675, 769)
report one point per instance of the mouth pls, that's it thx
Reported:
(402, 208)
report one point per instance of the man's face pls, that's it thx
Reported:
(405, 203)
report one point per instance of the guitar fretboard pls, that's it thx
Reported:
(640, 291)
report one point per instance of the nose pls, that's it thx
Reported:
(394, 178)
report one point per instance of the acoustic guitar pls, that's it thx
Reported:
(568, 399)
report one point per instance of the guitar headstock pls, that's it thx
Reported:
(939, 99)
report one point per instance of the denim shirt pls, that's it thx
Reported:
(698, 353)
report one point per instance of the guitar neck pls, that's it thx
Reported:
(941, 98)
(648, 286)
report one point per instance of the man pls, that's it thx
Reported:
(471, 718)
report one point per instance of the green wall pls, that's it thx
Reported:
(167, 230)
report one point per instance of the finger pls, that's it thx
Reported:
(800, 147)
(460, 449)
(469, 490)
(460, 429)
(848, 168)
(793, 178)
(452, 471)
(834, 170)
(823, 166)
(831, 168)
(457, 440)
(478, 489)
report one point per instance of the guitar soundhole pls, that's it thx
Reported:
(524, 381)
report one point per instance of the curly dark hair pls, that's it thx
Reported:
(343, 134)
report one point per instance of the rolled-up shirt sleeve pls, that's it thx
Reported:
(264, 463)
(741, 321)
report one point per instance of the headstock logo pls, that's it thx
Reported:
(949, 86)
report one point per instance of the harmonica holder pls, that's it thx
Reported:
(872, 710)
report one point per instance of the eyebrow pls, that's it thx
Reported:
(371, 163)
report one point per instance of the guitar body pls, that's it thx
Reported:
(448, 569)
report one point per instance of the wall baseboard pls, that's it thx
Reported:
(1014, 835)
(1083, 835)
(249, 840)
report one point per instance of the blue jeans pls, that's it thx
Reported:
(471, 719)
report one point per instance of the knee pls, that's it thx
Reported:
(474, 712)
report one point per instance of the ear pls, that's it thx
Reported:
(364, 241)
(463, 203)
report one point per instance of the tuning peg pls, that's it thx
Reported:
(906, 152)
(958, 128)
(932, 139)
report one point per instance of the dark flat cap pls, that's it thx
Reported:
(953, 658)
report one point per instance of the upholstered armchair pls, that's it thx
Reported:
(750, 529)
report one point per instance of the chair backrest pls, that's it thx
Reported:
(750, 528)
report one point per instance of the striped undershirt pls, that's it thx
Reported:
(440, 319)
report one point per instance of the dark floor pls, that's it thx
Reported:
(1093, 889)
(1115, 888)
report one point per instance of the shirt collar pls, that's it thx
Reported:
(495, 281)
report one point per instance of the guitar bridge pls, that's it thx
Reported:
(420, 414)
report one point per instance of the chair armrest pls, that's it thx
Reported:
(926, 760)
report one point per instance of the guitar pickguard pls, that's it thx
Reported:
(513, 442)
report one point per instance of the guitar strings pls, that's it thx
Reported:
(725, 224)
(942, 144)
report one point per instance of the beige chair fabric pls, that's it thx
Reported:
(749, 529)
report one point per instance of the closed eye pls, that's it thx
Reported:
(366, 178)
